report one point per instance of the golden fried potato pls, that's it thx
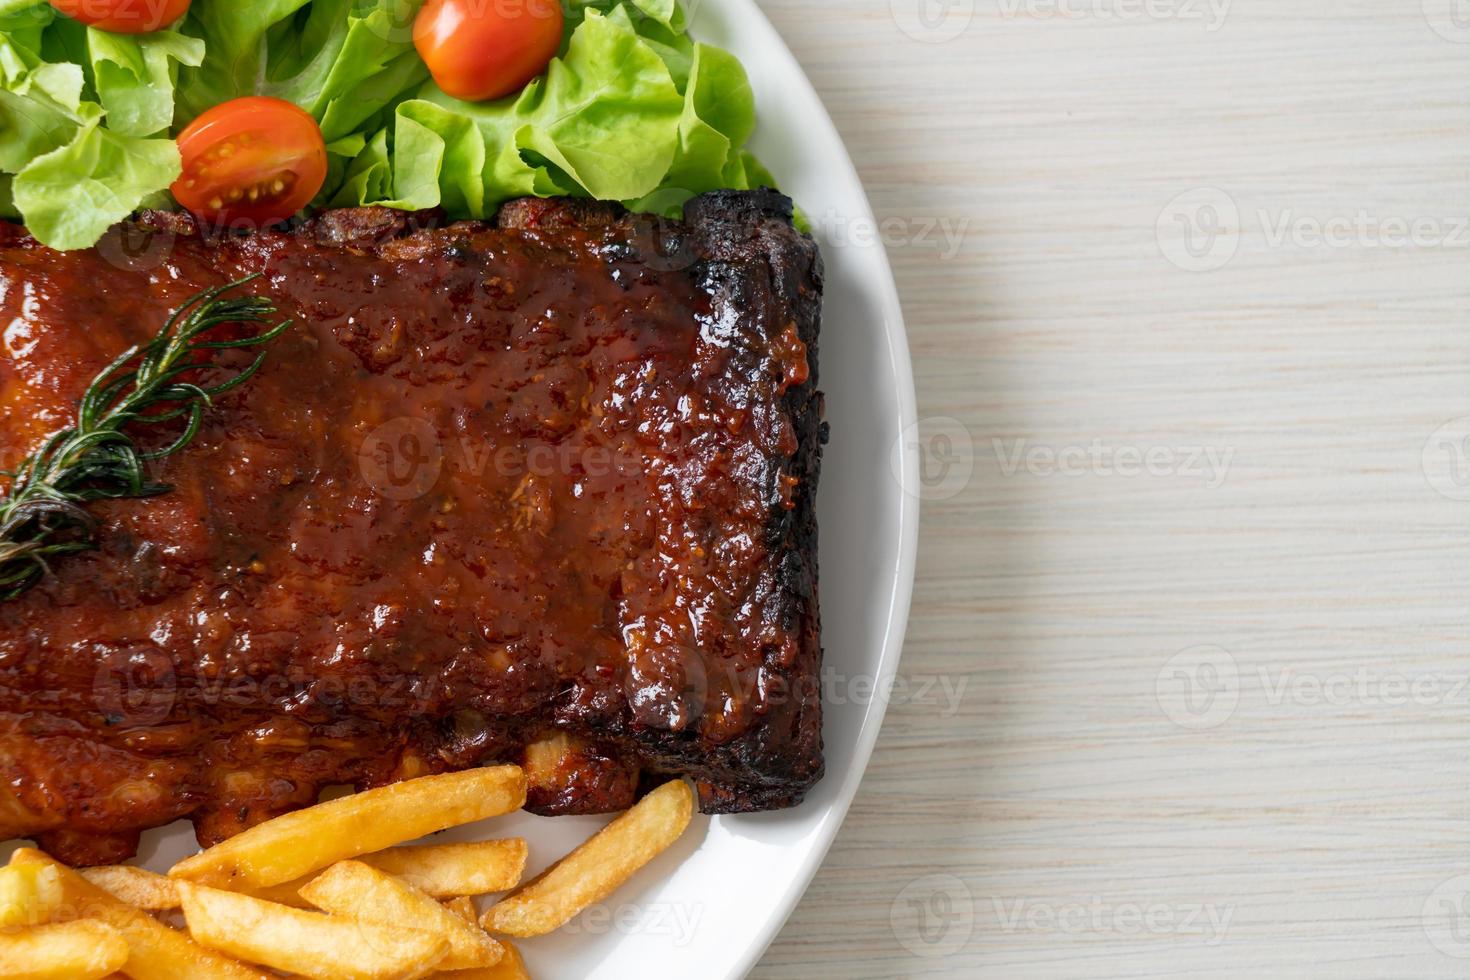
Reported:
(511, 967)
(452, 870)
(597, 868)
(139, 888)
(464, 907)
(28, 895)
(355, 890)
(321, 947)
(296, 844)
(156, 952)
(438, 870)
(63, 951)
(287, 894)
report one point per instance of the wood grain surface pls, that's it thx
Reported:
(1188, 676)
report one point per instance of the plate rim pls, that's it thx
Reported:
(906, 459)
(898, 580)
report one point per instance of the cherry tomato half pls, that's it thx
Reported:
(124, 16)
(256, 160)
(485, 49)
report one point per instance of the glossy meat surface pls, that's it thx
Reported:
(548, 484)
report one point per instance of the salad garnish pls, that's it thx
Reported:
(628, 108)
(478, 51)
(254, 160)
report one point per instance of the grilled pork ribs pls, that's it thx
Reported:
(538, 491)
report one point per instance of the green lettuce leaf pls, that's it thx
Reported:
(33, 125)
(666, 12)
(718, 117)
(134, 77)
(439, 159)
(344, 61)
(76, 108)
(72, 195)
(632, 110)
(39, 9)
(368, 178)
(235, 37)
(606, 114)
(41, 104)
(22, 32)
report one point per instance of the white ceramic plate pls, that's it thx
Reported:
(711, 907)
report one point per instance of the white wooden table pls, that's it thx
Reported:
(1203, 605)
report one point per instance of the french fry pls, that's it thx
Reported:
(142, 889)
(452, 870)
(64, 951)
(438, 870)
(354, 890)
(294, 845)
(321, 947)
(28, 895)
(287, 894)
(156, 952)
(139, 888)
(511, 967)
(464, 907)
(160, 894)
(597, 868)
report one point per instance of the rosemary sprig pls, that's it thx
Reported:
(42, 516)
